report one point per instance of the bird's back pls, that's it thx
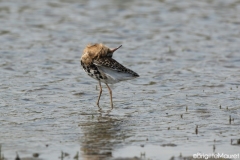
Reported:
(114, 71)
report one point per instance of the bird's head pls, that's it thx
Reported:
(96, 51)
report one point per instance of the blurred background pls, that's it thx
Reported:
(185, 101)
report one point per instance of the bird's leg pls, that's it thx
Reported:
(99, 93)
(110, 92)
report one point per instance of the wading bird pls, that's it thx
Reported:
(98, 63)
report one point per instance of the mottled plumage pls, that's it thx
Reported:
(98, 63)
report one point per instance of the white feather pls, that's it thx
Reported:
(115, 76)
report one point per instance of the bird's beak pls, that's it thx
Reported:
(113, 50)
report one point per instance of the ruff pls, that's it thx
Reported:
(98, 63)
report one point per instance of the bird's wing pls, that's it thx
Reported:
(112, 64)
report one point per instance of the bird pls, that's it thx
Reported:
(98, 63)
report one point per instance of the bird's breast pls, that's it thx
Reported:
(93, 71)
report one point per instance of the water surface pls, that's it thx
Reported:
(187, 56)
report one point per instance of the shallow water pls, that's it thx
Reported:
(187, 56)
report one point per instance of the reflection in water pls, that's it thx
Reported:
(101, 134)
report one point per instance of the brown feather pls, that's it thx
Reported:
(95, 51)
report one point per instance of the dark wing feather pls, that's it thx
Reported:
(114, 65)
